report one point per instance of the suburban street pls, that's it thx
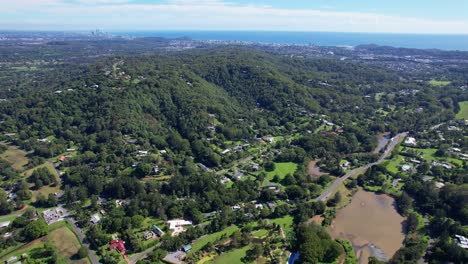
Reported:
(393, 142)
(79, 233)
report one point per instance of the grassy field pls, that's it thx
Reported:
(45, 190)
(199, 243)
(281, 169)
(463, 114)
(15, 156)
(260, 233)
(428, 155)
(285, 222)
(233, 256)
(394, 164)
(439, 83)
(67, 244)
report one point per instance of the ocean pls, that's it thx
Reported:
(419, 41)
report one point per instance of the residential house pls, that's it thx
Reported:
(238, 175)
(142, 153)
(149, 235)
(411, 141)
(177, 226)
(53, 215)
(119, 245)
(187, 248)
(462, 241)
(95, 219)
(4, 224)
(157, 230)
(406, 168)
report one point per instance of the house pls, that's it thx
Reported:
(149, 235)
(410, 141)
(415, 161)
(238, 175)
(70, 149)
(254, 166)
(187, 248)
(163, 151)
(462, 241)
(157, 230)
(62, 158)
(269, 139)
(441, 164)
(4, 224)
(12, 260)
(118, 244)
(44, 140)
(53, 215)
(155, 169)
(439, 185)
(119, 203)
(142, 153)
(175, 257)
(224, 180)
(203, 167)
(95, 219)
(225, 151)
(406, 168)
(237, 148)
(235, 207)
(177, 226)
(274, 188)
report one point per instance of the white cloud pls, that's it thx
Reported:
(216, 15)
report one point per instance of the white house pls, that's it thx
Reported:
(406, 168)
(95, 219)
(410, 141)
(462, 241)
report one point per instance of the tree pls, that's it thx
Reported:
(35, 229)
(404, 203)
(412, 222)
(269, 166)
(82, 252)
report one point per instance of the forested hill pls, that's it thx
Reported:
(168, 99)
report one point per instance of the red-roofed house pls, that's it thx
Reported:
(117, 244)
(62, 158)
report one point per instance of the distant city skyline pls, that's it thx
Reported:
(396, 16)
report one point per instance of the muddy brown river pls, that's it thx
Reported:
(372, 224)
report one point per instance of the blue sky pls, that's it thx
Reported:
(386, 16)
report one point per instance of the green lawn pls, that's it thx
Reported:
(233, 256)
(394, 164)
(439, 83)
(428, 155)
(281, 169)
(260, 233)
(199, 243)
(463, 114)
(285, 222)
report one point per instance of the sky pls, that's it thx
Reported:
(373, 16)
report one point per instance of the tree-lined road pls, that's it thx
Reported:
(393, 142)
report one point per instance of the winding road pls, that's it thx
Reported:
(393, 142)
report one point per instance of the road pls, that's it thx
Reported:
(393, 142)
(79, 233)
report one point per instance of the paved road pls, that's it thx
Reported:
(79, 233)
(393, 142)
